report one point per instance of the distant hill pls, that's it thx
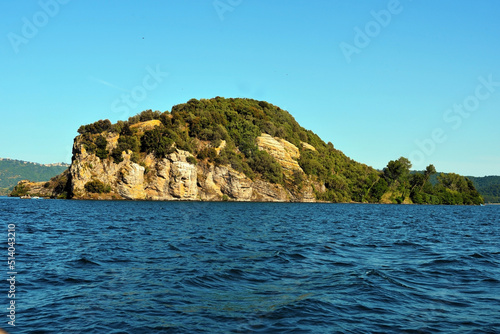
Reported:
(13, 171)
(488, 186)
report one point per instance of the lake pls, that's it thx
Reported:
(198, 267)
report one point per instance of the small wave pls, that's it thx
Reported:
(296, 256)
(443, 262)
(120, 259)
(283, 316)
(491, 280)
(112, 227)
(72, 297)
(173, 248)
(387, 277)
(203, 281)
(84, 261)
(406, 243)
(72, 280)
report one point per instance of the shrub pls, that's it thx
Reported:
(97, 187)
(19, 190)
(208, 152)
(102, 153)
(192, 160)
(263, 163)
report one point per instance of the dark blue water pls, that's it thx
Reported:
(169, 267)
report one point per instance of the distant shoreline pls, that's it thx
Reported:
(274, 202)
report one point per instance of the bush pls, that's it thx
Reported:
(208, 152)
(267, 166)
(97, 187)
(102, 153)
(19, 190)
(117, 154)
(192, 160)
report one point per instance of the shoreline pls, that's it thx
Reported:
(230, 201)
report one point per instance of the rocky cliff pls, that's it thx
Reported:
(177, 177)
(233, 149)
(217, 149)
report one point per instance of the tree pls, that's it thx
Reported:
(379, 189)
(95, 128)
(158, 142)
(397, 170)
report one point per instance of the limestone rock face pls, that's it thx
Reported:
(179, 176)
(232, 183)
(183, 181)
(130, 184)
(283, 151)
(171, 178)
(308, 146)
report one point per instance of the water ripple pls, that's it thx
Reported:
(154, 267)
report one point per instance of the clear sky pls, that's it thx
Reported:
(379, 79)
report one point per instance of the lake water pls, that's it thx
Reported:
(194, 267)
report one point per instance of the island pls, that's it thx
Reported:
(233, 149)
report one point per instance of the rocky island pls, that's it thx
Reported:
(232, 149)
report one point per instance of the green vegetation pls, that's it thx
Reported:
(19, 190)
(95, 128)
(97, 187)
(192, 160)
(13, 171)
(61, 184)
(488, 187)
(201, 126)
(417, 187)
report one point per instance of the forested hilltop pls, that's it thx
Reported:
(230, 132)
(488, 187)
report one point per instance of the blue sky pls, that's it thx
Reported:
(379, 79)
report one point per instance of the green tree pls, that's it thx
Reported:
(158, 142)
(101, 144)
(378, 189)
(397, 170)
(95, 128)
